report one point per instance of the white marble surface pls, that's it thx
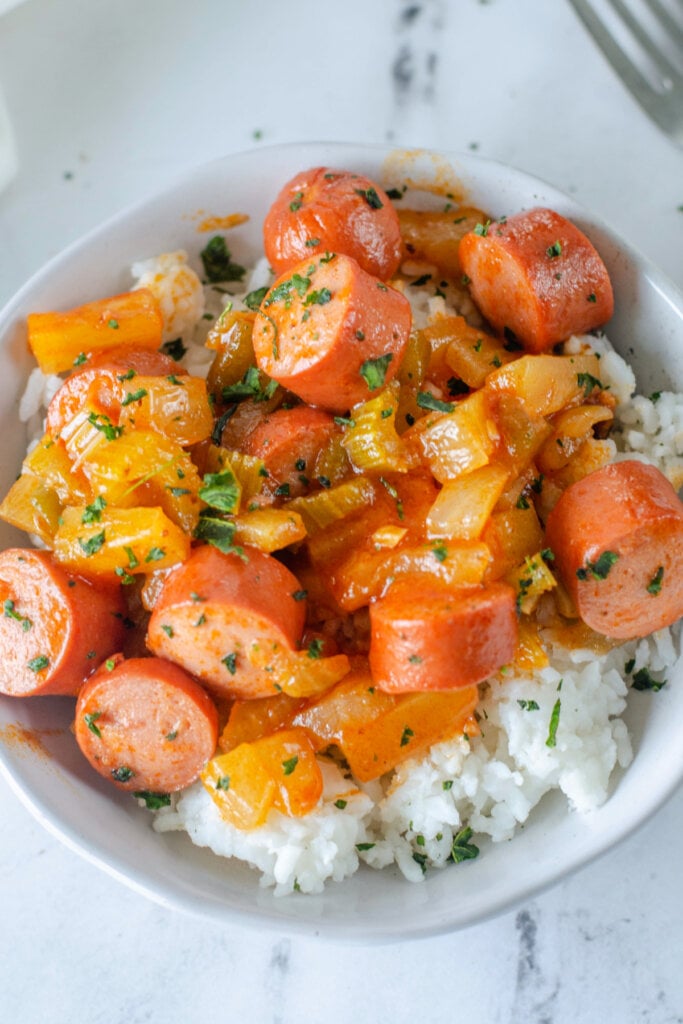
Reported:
(110, 99)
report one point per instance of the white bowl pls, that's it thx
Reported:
(107, 827)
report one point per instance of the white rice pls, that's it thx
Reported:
(492, 782)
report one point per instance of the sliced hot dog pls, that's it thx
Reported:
(288, 442)
(145, 724)
(55, 627)
(537, 275)
(617, 537)
(106, 376)
(323, 210)
(331, 333)
(425, 638)
(221, 617)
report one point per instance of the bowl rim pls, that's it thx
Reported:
(258, 917)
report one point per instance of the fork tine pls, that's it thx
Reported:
(668, 23)
(660, 61)
(630, 73)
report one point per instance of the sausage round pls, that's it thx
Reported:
(221, 616)
(145, 724)
(537, 275)
(288, 441)
(323, 210)
(331, 333)
(424, 638)
(617, 538)
(55, 627)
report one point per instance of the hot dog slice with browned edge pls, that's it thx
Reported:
(288, 441)
(323, 210)
(55, 627)
(221, 616)
(107, 376)
(145, 724)
(426, 638)
(331, 333)
(538, 276)
(617, 537)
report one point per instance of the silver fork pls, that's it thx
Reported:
(643, 41)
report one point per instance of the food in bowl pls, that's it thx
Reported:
(345, 559)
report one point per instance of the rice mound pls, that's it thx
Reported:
(488, 783)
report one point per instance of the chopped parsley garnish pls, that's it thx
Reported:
(282, 491)
(250, 387)
(406, 736)
(315, 648)
(230, 662)
(91, 546)
(217, 262)
(220, 490)
(312, 242)
(341, 804)
(122, 774)
(600, 569)
(528, 705)
(101, 422)
(125, 577)
(426, 400)
(135, 396)
(168, 630)
(93, 513)
(592, 297)
(318, 298)
(642, 680)
(173, 735)
(420, 281)
(155, 555)
(218, 532)
(362, 847)
(374, 371)
(128, 375)
(421, 859)
(655, 396)
(462, 849)
(110, 664)
(252, 300)
(282, 293)
(39, 663)
(80, 359)
(415, 659)
(370, 196)
(90, 721)
(391, 490)
(440, 552)
(447, 784)
(300, 595)
(482, 229)
(133, 563)
(114, 324)
(324, 481)
(153, 801)
(175, 349)
(394, 193)
(522, 501)
(290, 764)
(655, 585)
(296, 202)
(223, 782)
(588, 382)
(11, 613)
(554, 250)
(456, 386)
(554, 722)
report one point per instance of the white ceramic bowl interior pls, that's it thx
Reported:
(47, 770)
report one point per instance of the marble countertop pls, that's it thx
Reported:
(111, 101)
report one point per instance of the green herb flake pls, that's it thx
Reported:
(122, 774)
(655, 585)
(128, 375)
(522, 501)
(421, 859)
(482, 229)
(315, 649)
(135, 396)
(374, 371)
(655, 396)
(440, 552)
(168, 630)
(296, 202)
(447, 784)
(80, 359)
(230, 662)
(462, 849)
(11, 613)
(588, 382)
(290, 764)
(370, 196)
(599, 569)
(592, 297)
(155, 555)
(406, 736)
(528, 705)
(554, 250)
(102, 423)
(341, 804)
(93, 513)
(415, 659)
(426, 400)
(175, 349)
(114, 324)
(219, 533)
(91, 546)
(282, 491)
(318, 298)
(217, 262)
(642, 680)
(363, 847)
(153, 801)
(173, 735)
(110, 664)
(311, 243)
(252, 300)
(554, 722)
(223, 782)
(220, 490)
(90, 720)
